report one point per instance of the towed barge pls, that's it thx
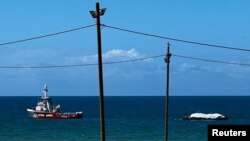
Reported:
(203, 116)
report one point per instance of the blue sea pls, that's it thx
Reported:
(127, 118)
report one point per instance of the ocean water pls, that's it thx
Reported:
(127, 118)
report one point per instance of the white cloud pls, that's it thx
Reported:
(187, 67)
(194, 68)
(117, 53)
(131, 70)
(112, 55)
(219, 70)
(237, 71)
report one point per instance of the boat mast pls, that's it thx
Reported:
(46, 99)
(45, 91)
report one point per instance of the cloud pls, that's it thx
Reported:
(112, 55)
(218, 70)
(122, 54)
(185, 67)
(131, 70)
(237, 72)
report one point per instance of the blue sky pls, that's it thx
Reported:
(223, 22)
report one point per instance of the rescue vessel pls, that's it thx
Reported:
(46, 110)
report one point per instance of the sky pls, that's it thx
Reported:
(223, 22)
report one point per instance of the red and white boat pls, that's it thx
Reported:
(46, 110)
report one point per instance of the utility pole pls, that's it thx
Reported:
(97, 14)
(167, 61)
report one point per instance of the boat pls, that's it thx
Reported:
(203, 116)
(46, 110)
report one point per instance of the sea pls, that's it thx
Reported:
(127, 118)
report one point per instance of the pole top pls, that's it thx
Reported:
(99, 12)
(169, 44)
(168, 54)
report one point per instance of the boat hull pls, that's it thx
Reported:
(51, 115)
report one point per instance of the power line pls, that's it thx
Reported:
(44, 67)
(78, 65)
(47, 35)
(133, 60)
(213, 61)
(122, 61)
(125, 30)
(175, 39)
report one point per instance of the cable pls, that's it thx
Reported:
(44, 67)
(174, 39)
(213, 61)
(119, 62)
(126, 30)
(140, 59)
(47, 35)
(77, 65)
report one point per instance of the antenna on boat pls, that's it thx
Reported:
(45, 91)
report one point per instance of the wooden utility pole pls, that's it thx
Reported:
(97, 14)
(167, 61)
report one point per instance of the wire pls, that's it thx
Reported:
(77, 65)
(47, 35)
(119, 62)
(213, 61)
(140, 59)
(126, 30)
(174, 39)
(42, 67)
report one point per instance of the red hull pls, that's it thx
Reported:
(49, 115)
